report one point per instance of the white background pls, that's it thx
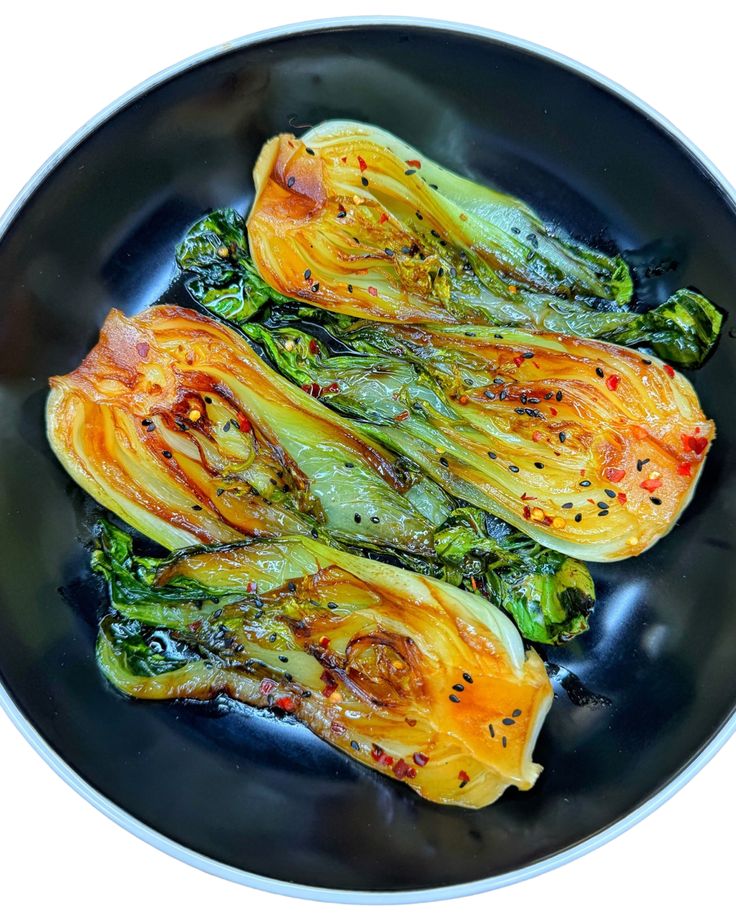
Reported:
(60, 63)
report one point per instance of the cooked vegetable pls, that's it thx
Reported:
(176, 425)
(591, 449)
(412, 677)
(353, 220)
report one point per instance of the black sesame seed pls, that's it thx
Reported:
(640, 464)
(602, 504)
(283, 658)
(146, 422)
(600, 372)
(459, 687)
(567, 505)
(453, 698)
(645, 361)
(558, 396)
(389, 252)
(492, 455)
(419, 216)
(610, 493)
(354, 745)
(516, 713)
(467, 678)
(520, 411)
(315, 287)
(578, 518)
(655, 501)
(549, 395)
(208, 400)
(491, 730)
(290, 181)
(314, 532)
(350, 289)
(539, 466)
(409, 172)
(432, 185)
(504, 742)
(585, 483)
(508, 721)
(332, 605)
(309, 151)
(503, 394)
(341, 213)
(515, 230)
(375, 519)
(523, 399)
(292, 587)
(307, 274)
(217, 614)
(258, 602)
(489, 395)
(364, 180)
(167, 454)
(528, 354)
(562, 436)
(357, 518)
(196, 507)
(306, 694)
(272, 637)
(288, 676)
(514, 469)
(602, 513)
(435, 233)
(226, 426)
(443, 461)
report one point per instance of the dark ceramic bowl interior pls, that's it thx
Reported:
(244, 788)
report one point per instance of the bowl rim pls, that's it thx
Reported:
(186, 854)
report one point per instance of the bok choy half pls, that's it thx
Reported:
(351, 219)
(174, 423)
(589, 448)
(413, 678)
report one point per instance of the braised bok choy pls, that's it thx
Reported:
(416, 679)
(175, 424)
(589, 448)
(351, 219)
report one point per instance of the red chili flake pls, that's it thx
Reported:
(383, 218)
(519, 360)
(527, 512)
(251, 587)
(337, 727)
(143, 348)
(638, 432)
(344, 159)
(668, 370)
(420, 759)
(410, 772)
(685, 469)
(313, 389)
(313, 347)
(613, 474)
(613, 381)
(547, 520)
(376, 752)
(537, 436)
(552, 410)
(324, 641)
(621, 496)
(373, 291)
(244, 423)
(527, 498)
(286, 703)
(267, 686)
(197, 624)
(386, 760)
(362, 163)
(651, 485)
(402, 416)
(417, 164)
(333, 387)
(463, 400)
(411, 722)
(690, 442)
(400, 768)
(463, 777)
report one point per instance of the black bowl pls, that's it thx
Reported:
(236, 791)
